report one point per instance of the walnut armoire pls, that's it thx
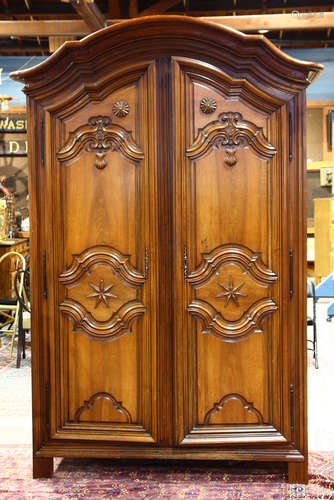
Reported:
(168, 246)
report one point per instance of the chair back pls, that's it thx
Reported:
(22, 265)
(23, 275)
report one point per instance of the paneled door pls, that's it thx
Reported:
(229, 328)
(101, 249)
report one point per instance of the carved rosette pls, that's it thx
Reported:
(214, 321)
(102, 395)
(230, 133)
(84, 320)
(208, 105)
(247, 405)
(121, 109)
(100, 136)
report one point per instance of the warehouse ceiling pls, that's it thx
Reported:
(38, 27)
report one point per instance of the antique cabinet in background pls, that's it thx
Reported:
(166, 179)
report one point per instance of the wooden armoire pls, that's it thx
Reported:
(168, 246)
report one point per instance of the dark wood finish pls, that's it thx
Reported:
(168, 205)
(8, 266)
(42, 467)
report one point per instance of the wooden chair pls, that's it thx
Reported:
(312, 321)
(24, 323)
(10, 307)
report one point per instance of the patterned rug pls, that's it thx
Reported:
(99, 478)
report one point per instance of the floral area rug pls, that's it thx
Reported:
(99, 478)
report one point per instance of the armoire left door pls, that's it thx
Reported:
(100, 252)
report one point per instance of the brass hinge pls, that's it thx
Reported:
(147, 263)
(185, 262)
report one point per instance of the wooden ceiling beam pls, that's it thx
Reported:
(89, 12)
(322, 20)
(133, 8)
(43, 28)
(159, 7)
(291, 21)
(304, 10)
(115, 9)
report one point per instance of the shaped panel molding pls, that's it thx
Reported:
(231, 331)
(90, 257)
(100, 136)
(213, 320)
(220, 405)
(119, 324)
(231, 253)
(102, 395)
(230, 133)
(83, 320)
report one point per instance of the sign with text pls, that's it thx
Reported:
(13, 124)
(13, 148)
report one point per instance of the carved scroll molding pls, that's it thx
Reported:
(102, 395)
(211, 319)
(220, 405)
(100, 136)
(235, 253)
(83, 320)
(213, 322)
(119, 324)
(119, 262)
(230, 133)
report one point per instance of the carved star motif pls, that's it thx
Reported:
(231, 292)
(101, 293)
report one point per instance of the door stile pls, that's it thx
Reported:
(184, 344)
(165, 195)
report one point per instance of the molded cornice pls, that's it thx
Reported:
(252, 57)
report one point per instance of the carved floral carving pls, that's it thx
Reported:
(230, 133)
(220, 405)
(211, 319)
(102, 395)
(122, 319)
(100, 136)
(121, 109)
(208, 105)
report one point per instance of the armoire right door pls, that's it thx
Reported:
(231, 254)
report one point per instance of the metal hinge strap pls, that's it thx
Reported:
(45, 291)
(42, 139)
(291, 273)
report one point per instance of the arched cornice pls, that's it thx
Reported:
(244, 56)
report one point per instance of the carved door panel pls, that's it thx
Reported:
(103, 336)
(228, 328)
